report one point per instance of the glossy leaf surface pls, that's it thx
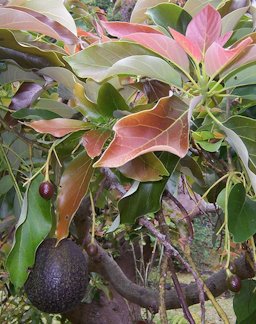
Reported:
(163, 128)
(170, 15)
(74, 185)
(110, 100)
(33, 226)
(144, 198)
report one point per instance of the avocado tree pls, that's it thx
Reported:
(116, 136)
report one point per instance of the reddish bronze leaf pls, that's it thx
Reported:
(163, 128)
(121, 29)
(144, 168)
(74, 185)
(204, 28)
(58, 127)
(94, 140)
(163, 45)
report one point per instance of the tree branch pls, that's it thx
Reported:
(148, 298)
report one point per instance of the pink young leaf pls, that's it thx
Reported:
(217, 57)
(94, 140)
(164, 46)
(189, 47)
(224, 38)
(121, 29)
(248, 55)
(58, 127)
(163, 128)
(204, 28)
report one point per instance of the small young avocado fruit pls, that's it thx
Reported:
(234, 283)
(232, 267)
(92, 249)
(59, 278)
(46, 190)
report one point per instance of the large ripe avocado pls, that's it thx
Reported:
(59, 278)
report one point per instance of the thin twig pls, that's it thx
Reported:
(162, 282)
(165, 230)
(184, 213)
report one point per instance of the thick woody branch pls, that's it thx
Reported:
(149, 298)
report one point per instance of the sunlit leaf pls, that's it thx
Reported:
(94, 140)
(170, 15)
(241, 214)
(74, 185)
(145, 197)
(121, 29)
(194, 6)
(58, 127)
(141, 6)
(55, 10)
(204, 28)
(18, 18)
(34, 225)
(163, 45)
(144, 168)
(163, 128)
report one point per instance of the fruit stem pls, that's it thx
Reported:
(93, 218)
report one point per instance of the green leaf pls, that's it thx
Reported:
(141, 6)
(194, 6)
(34, 114)
(109, 100)
(245, 303)
(241, 214)
(247, 92)
(240, 134)
(27, 56)
(170, 15)
(144, 198)
(34, 224)
(6, 184)
(210, 147)
(95, 61)
(240, 77)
